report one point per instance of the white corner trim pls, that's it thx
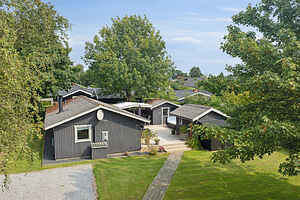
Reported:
(83, 140)
(94, 109)
(164, 103)
(76, 92)
(208, 111)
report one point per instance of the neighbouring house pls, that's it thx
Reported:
(84, 127)
(198, 114)
(182, 94)
(191, 82)
(94, 93)
(157, 110)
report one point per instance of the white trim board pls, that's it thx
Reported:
(182, 98)
(208, 111)
(164, 103)
(76, 92)
(162, 114)
(89, 126)
(94, 109)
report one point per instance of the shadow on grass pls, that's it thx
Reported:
(198, 178)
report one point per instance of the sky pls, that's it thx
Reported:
(192, 29)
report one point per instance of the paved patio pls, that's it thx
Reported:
(165, 136)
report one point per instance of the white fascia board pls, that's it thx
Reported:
(76, 92)
(208, 111)
(164, 103)
(94, 109)
(71, 118)
(182, 98)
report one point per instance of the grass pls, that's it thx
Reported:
(126, 178)
(23, 166)
(116, 178)
(197, 178)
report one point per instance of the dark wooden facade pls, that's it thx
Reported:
(157, 113)
(211, 118)
(124, 134)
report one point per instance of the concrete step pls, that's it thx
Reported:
(176, 147)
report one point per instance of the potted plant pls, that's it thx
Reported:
(156, 140)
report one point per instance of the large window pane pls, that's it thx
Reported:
(83, 134)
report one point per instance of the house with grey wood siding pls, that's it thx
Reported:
(84, 127)
(157, 111)
(203, 115)
(94, 93)
(182, 94)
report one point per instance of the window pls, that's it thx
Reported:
(166, 112)
(105, 136)
(83, 133)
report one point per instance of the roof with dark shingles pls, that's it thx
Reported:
(80, 105)
(92, 91)
(185, 93)
(161, 101)
(190, 111)
(191, 82)
(74, 88)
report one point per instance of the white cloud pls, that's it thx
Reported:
(187, 39)
(235, 10)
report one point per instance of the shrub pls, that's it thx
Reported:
(147, 135)
(183, 129)
(153, 151)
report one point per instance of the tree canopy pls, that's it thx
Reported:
(218, 84)
(195, 72)
(34, 62)
(266, 111)
(129, 58)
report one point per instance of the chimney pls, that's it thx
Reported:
(60, 103)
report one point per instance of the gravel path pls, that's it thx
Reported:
(159, 186)
(53, 184)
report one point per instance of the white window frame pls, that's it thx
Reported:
(90, 133)
(162, 114)
(102, 135)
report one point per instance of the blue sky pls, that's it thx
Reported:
(192, 29)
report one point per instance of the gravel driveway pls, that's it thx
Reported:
(55, 184)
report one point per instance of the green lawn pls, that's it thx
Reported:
(21, 165)
(126, 178)
(197, 178)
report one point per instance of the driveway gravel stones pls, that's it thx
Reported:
(76, 183)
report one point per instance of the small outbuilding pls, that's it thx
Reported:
(84, 127)
(94, 93)
(157, 111)
(199, 114)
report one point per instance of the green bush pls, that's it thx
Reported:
(183, 129)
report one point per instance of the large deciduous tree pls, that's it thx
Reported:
(195, 72)
(129, 58)
(34, 60)
(266, 112)
(218, 84)
(41, 39)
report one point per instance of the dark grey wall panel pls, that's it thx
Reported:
(214, 119)
(124, 135)
(157, 113)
